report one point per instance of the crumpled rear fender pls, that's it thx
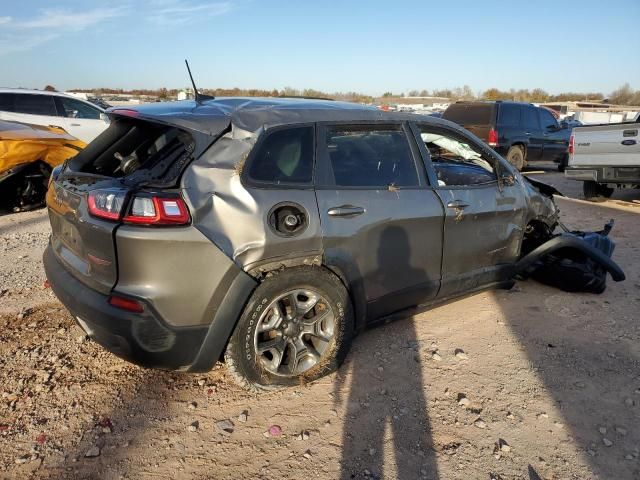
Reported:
(570, 241)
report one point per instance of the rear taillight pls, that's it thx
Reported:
(158, 210)
(493, 138)
(571, 144)
(127, 112)
(127, 304)
(106, 204)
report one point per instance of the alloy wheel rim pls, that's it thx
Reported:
(294, 331)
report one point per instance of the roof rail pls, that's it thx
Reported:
(305, 97)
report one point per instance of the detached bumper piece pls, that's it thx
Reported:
(573, 262)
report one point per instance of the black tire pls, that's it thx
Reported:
(515, 156)
(595, 192)
(562, 165)
(241, 356)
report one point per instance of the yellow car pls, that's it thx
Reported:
(28, 153)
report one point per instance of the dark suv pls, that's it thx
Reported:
(521, 132)
(270, 230)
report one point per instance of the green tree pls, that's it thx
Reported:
(539, 95)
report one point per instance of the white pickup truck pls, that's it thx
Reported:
(605, 157)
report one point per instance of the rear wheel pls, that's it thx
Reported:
(296, 328)
(596, 192)
(515, 156)
(562, 165)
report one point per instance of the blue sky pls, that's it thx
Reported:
(367, 46)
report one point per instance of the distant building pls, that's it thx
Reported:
(593, 112)
(185, 94)
(413, 104)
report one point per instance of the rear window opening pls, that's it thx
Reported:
(129, 145)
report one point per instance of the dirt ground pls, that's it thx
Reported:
(530, 383)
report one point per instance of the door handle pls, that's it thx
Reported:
(457, 204)
(75, 125)
(345, 211)
(527, 133)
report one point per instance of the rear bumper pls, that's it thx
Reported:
(604, 174)
(146, 339)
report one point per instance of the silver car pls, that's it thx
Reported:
(269, 231)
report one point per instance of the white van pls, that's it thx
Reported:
(80, 118)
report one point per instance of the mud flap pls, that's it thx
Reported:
(573, 262)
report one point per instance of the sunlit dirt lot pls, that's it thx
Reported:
(531, 383)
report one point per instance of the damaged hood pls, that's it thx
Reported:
(22, 144)
(544, 188)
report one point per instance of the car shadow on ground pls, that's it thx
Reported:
(386, 420)
(585, 350)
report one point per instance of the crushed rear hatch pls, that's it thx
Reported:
(132, 154)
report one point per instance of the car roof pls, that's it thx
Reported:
(252, 113)
(46, 92)
(489, 102)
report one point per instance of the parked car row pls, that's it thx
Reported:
(521, 132)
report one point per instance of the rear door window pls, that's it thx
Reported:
(470, 113)
(6, 102)
(33, 104)
(509, 115)
(376, 156)
(530, 118)
(285, 156)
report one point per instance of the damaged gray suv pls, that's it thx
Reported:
(269, 231)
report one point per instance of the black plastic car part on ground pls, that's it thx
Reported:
(573, 262)
(520, 132)
(271, 230)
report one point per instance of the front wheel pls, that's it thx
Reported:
(297, 327)
(596, 192)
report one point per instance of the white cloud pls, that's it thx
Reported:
(179, 12)
(48, 25)
(65, 20)
(20, 43)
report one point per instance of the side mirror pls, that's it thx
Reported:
(104, 117)
(507, 179)
(564, 124)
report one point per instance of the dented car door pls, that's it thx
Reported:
(381, 227)
(484, 216)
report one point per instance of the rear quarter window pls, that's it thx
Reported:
(284, 157)
(470, 113)
(34, 104)
(509, 115)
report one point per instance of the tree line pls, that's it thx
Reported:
(624, 95)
